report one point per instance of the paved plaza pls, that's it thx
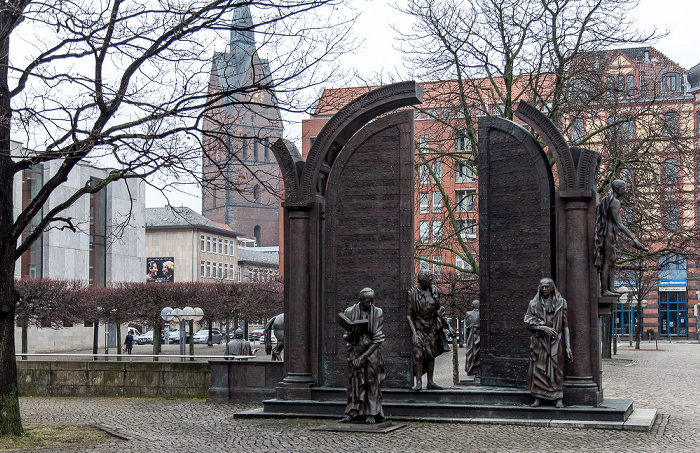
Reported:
(666, 379)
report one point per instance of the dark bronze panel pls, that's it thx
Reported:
(369, 242)
(516, 198)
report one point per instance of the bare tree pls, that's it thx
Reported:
(483, 57)
(123, 84)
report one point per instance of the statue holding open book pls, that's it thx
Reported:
(363, 323)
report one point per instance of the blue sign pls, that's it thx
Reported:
(625, 283)
(673, 282)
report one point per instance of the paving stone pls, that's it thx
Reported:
(663, 380)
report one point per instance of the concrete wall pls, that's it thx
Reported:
(68, 339)
(112, 378)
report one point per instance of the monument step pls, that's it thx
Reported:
(464, 395)
(610, 411)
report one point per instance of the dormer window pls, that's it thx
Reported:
(670, 81)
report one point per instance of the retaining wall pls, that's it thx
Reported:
(100, 378)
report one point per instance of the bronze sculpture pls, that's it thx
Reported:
(607, 224)
(546, 317)
(472, 342)
(274, 325)
(238, 346)
(426, 320)
(363, 323)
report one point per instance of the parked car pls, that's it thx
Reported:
(256, 335)
(146, 338)
(203, 336)
(175, 336)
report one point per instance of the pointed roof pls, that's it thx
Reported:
(173, 217)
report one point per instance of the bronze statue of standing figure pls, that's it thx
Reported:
(607, 224)
(363, 323)
(550, 345)
(472, 340)
(426, 320)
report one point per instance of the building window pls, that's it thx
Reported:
(225, 246)
(465, 172)
(578, 129)
(673, 313)
(239, 275)
(424, 231)
(221, 270)
(671, 125)
(437, 169)
(266, 144)
(256, 194)
(208, 268)
(437, 201)
(98, 236)
(221, 246)
(671, 171)
(462, 142)
(671, 215)
(630, 84)
(244, 147)
(201, 269)
(230, 249)
(208, 243)
(467, 229)
(424, 264)
(255, 150)
(670, 82)
(256, 235)
(201, 240)
(466, 200)
(423, 143)
(424, 174)
(437, 231)
(424, 202)
(31, 263)
(226, 271)
(436, 267)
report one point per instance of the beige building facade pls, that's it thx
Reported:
(194, 247)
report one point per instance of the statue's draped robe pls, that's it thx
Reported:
(545, 377)
(472, 343)
(364, 390)
(605, 231)
(424, 309)
(238, 346)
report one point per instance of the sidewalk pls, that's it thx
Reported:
(665, 379)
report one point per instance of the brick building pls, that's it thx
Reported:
(662, 101)
(240, 173)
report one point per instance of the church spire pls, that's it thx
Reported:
(242, 34)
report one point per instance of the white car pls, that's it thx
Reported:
(146, 338)
(202, 336)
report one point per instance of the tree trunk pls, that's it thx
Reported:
(638, 326)
(10, 420)
(119, 342)
(607, 336)
(95, 338)
(455, 351)
(25, 345)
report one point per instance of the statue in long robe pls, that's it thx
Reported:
(427, 321)
(550, 345)
(472, 342)
(365, 361)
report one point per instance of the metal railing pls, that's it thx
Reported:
(123, 357)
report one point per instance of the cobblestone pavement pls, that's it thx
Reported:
(665, 379)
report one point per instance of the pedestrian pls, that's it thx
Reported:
(129, 341)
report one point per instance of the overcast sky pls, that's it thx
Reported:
(378, 55)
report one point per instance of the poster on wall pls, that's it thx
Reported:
(160, 270)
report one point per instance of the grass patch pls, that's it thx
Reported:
(54, 437)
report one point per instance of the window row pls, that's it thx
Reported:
(466, 201)
(466, 229)
(219, 246)
(433, 264)
(221, 271)
(254, 154)
(625, 130)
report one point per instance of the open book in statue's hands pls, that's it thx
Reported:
(361, 325)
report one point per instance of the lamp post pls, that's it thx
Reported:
(186, 314)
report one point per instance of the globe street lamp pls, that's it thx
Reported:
(186, 314)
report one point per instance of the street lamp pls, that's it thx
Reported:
(186, 314)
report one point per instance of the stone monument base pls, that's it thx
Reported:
(491, 405)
